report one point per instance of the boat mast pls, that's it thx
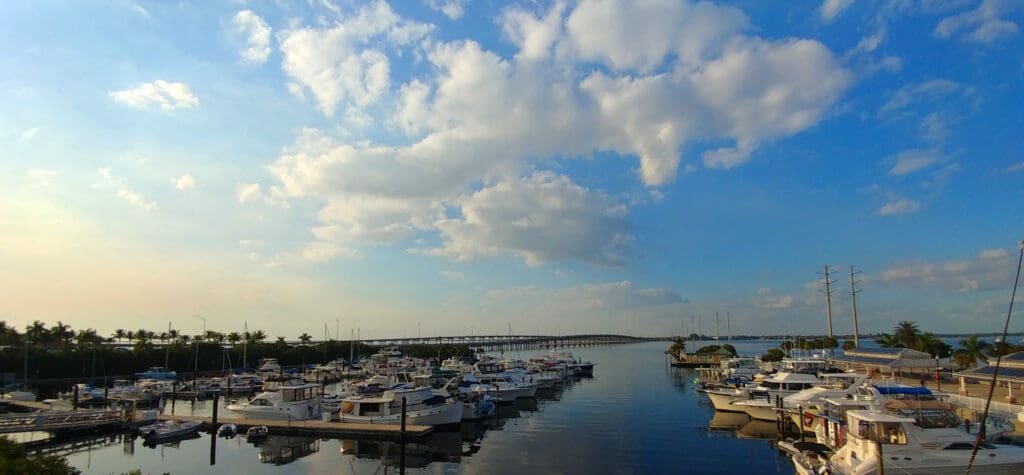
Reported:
(853, 300)
(828, 300)
(718, 330)
(245, 344)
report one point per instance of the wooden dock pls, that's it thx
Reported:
(53, 421)
(314, 427)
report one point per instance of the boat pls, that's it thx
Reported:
(907, 445)
(257, 432)
(269, 365)
(157, 373)
(293, 400)
(501, 387)
(227, 430)
(168, 429)
(836, 385)
(774, 386)
(422, 407)
(477, 406)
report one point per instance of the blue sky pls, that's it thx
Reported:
(464, 165)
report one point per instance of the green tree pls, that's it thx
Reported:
(888, 341)
(119, 334)
(848, 345)
(305, 338)
(773, 354)
(234, 338)
(972, 349)
(907, 333)
(929, 343)
(14, 459)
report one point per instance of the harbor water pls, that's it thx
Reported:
(636, 415)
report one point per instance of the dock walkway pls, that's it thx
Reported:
(314, 427)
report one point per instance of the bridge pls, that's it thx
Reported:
(514, 342)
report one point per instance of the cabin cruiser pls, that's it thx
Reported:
(831, 385)
(907, 445)
(501, 387)
(293, 400)
(157, 372)
(422, 407)
(731, 371)
(779, 384)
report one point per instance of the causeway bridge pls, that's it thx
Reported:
(515, 342)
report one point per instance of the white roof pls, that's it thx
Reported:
(784, 377)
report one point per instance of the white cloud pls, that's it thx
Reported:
(480, 123)
(125, 193)
(29, 134)
(907, 95)
(767, 300)
(910, 161)
(982, 25)
(257, 32)
(1014, 168)
(247, 192)
(992, 269)
(830, 9)
(320, 251)
(336, 64)
(451, 275)
(138, 10)
(899, 206)
(935, 126)
(166, 95)
(543, 217)
(185, 182)
(453, 9)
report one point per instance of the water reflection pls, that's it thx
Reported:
(280, 450)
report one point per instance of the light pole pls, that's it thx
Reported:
(938, 380)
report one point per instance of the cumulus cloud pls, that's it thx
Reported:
(166, 95)
(246, 192)
(543, 217)
(185, 182)
(981, 25)
(482, 126)
(910, 161)
(453, 9)
(899, 206)
(830, 9)
(767, 300)
(992, 269)
(257, 33)
(337, 64)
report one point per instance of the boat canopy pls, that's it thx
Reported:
(904, 390)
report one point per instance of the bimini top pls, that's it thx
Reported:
(904, 390)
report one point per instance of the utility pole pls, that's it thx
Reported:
(828, 299)
(700, 333)
(853, 300)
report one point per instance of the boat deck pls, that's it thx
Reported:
(315, 427)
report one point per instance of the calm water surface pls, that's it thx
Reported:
(637, 415)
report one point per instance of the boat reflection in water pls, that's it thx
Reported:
(444, 447)
(756, 429)
(730, 421)
(280, 450)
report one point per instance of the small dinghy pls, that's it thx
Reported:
(227, 430)
(167, 430)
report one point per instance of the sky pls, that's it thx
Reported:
(447, 167)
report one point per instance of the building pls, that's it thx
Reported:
(1011, 373)
(891, 361)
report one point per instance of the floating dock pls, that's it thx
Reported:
(314, 427)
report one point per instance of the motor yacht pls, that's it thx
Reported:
(877, 440)
(289, 400)
(422, 407)
(269, 365)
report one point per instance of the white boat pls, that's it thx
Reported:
(835, 385)
(227, 430)
(907, 445)
(269, 365)
(778, 385)
(20, 396)
(422, 407)
(477, 406)
(168, 429)
(289, 400)
(501, 387)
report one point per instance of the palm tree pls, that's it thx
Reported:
(888, 341)
(234, 338)
(119, 334)
(36, 332)
(62, 334)
(973, 349)
(907, 333)
(305, 338)
(259, 336)
(929, 343)
(174, 335)
(281, 343)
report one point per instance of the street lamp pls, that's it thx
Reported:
(938, 380)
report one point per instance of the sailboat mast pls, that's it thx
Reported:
(853, 300)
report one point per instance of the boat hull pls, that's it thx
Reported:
(757, 411)
(723, 400)
(443, 414)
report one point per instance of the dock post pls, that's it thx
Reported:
(106, 394)
(403, 416)
(74, 402)
(173, 398)
(216, 399)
